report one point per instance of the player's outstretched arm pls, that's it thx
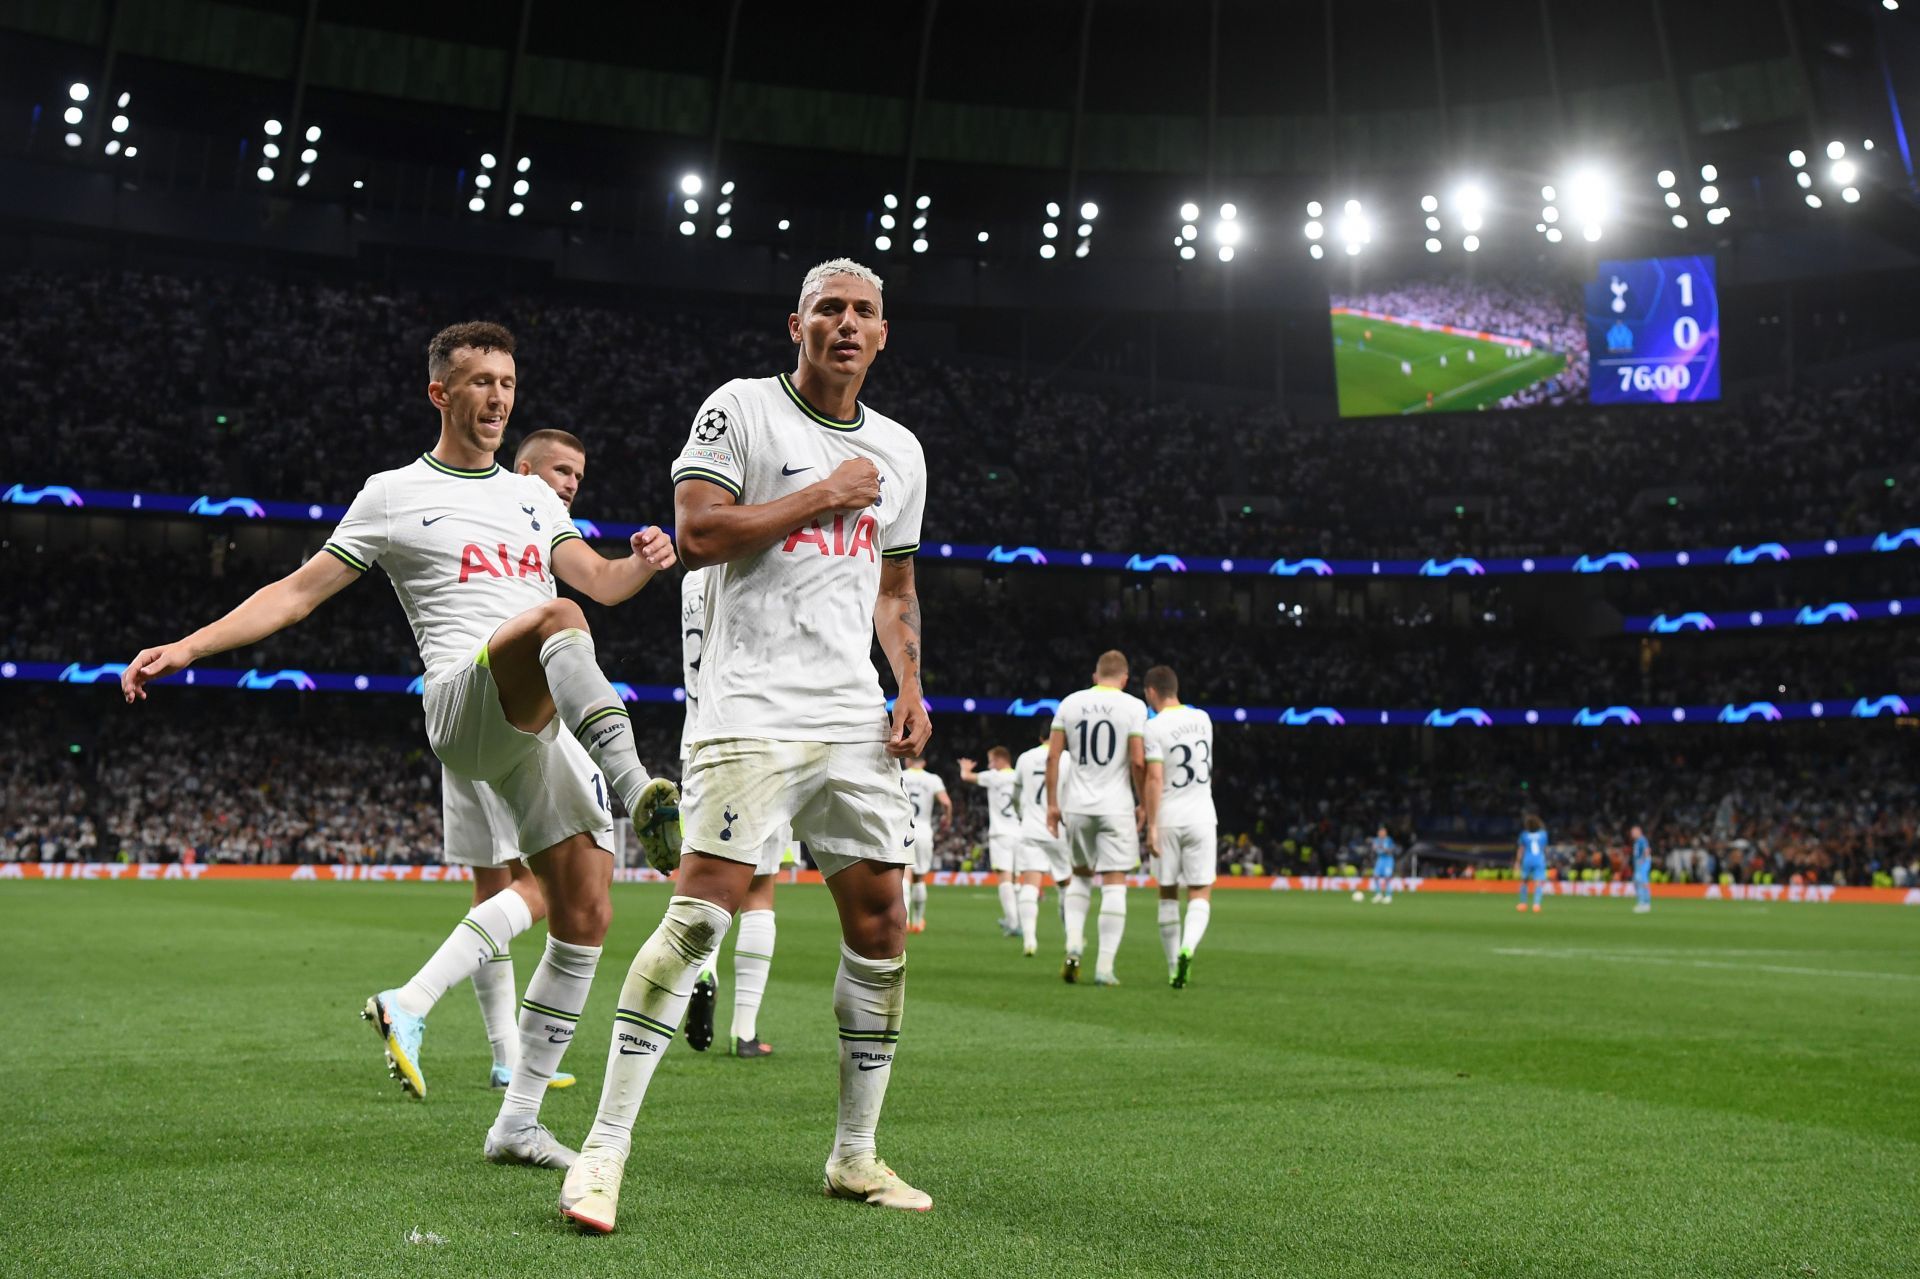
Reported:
(714, 528)
(271, 608)
(896, 625)
(967, 773)
(606, 581)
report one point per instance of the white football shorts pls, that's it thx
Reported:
(478, 829)
(548, 784)
(1103, 843)
(1002, 852)
(844, 800)
(1188, 855)
(1043, 856)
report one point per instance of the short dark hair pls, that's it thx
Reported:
(481, 335)
(1163, 681)
(548, 437)
(1112, 662)
(1532, 821)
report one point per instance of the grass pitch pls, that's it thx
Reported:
(1439, 1087)
(1476, 373)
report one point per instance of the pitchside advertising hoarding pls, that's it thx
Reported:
(1446, 340)
(382, 873)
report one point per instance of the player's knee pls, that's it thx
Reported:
(558, 615)
(584, 923)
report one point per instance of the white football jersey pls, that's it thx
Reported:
(1099, 723)
(1031, 768)
(921, 786)
(787, 652)
(693, 631)
(466, 550)
(1002, 787)
(1180, 740)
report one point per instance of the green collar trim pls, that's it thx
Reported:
(836, 423)
(456, 472)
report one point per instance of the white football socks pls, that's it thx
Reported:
(556, 994)
(869, 996)
(483, 935)
(493, 987)
(1078, 897)
(591, 710)
(752, 958)
(1198, 913)
(1170, 929)
(1029, 907)
(653, 1000)
(1113, 923)
(1009, 908)
(917, 911)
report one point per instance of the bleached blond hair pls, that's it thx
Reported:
(832, 267)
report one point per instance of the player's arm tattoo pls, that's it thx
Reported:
(897, 620)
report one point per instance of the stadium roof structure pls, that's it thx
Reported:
(797, 130)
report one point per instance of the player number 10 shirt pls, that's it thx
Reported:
(1099, 724)
(787, 653)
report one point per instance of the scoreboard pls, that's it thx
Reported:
(1653, 331)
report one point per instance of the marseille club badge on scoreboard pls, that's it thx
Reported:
(1653, 331)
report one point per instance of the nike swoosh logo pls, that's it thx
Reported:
(424, 521)
(793, 470)
(634, 1052)
(909, 843)
(874, 1065)
(566, 1038)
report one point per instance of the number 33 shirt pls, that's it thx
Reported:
(1180, 740)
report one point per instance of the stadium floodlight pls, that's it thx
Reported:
(1549, 214)
(883, 242)
(1842, 173)
(1546, 193)
(1665, 178)
(724, 231)
(691, 206)
(264, 173)
(1189, 212)
(480, 180)
(1470, 197)
(1804, 178)
(1471, 244)
(1086, 247)
(890, 200)
(515, 209)
(132, 151)
(1717, 216)
(113, 147)
(1046, 251)
(920, 245)
(477, 204)
(127, 98)
(1089, 211)
(1553, 235)
(1433, 224)
(1186, 252)
(360, 184)
(1355, 229)
(983, 237)
(1227, 233)
(1836, 150)
(74, 115)
(1226, 253)
(119, 124)
(1673, 199)
(1353, 248)
(1866, 144)
(1313, 209)
(1851, 195)
(1315, 230)
(919, 223)
(272, 151)
(1229, 211)
(526, 162)
(923, 203)
(1891, 6)
(1428, 204)
(1709, 195)
(1192, 232)
(1797, 158)
(1314, 250)
(726, 207)
(1680, 220)
(487, 161)
(690, 183)
(1433, 245)
(1591, 231)
(1709, 174)
(1471, 222)
(886, 222)
(1053, 209)
(687, 228)
(73, 139)
(78, 91)
(1050, 230)
(785, 224)
(726, 188)
(306, 176)
(1589, 200)
(1086, 229)
(1813, 201)
(310, 155)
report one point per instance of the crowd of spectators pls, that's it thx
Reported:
(297, 390)
(1550, 318)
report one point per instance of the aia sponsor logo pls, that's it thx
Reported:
(476, 561)
(837, 540)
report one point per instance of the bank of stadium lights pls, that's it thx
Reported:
(76, 112)
(1189, 233)
(1354, 228)
(1588, 201)
(1050, 231)
(1088, 212)
(921, 207)
(1842, 172)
